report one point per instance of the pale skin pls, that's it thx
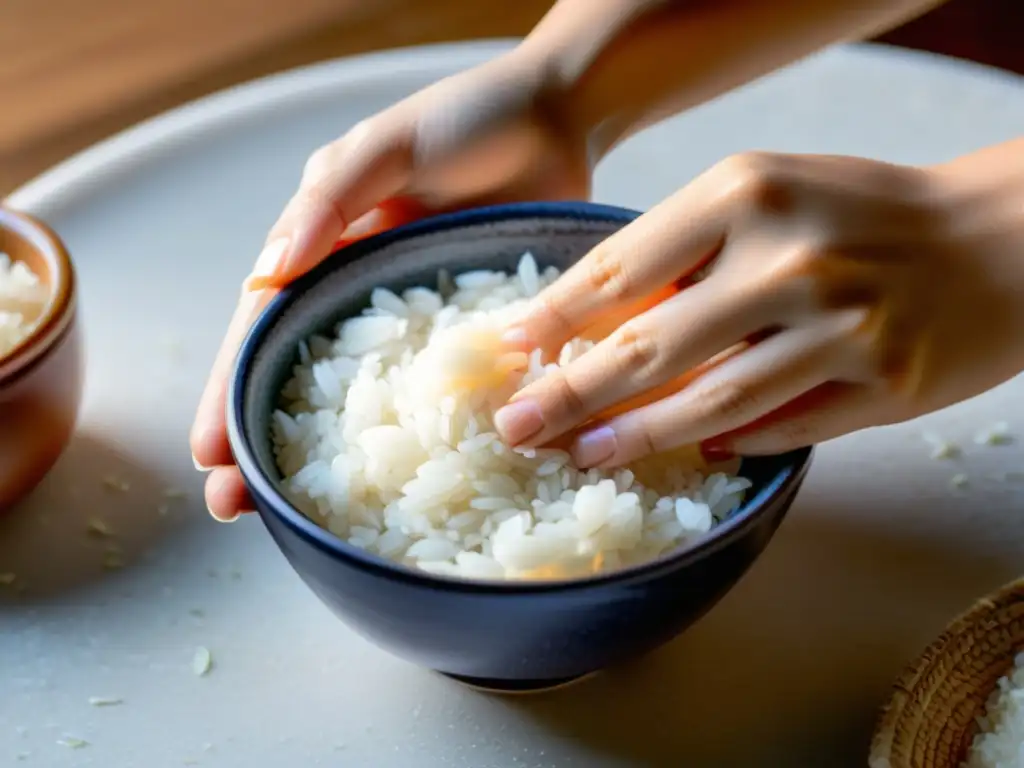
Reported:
(842, 293)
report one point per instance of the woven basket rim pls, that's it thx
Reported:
(891, 714)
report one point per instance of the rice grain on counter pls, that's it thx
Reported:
(22, 301)
(1000, 741)
(385, 437)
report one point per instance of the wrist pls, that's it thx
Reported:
(555, 98)
(981, 198)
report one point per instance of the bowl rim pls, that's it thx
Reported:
(784, 484)
(61, 298)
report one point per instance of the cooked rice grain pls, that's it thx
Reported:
(1000, 741)
(22, 300)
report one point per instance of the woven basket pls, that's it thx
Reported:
(930, 720)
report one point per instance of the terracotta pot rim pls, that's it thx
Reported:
(60, 306)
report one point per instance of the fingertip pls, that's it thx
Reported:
(202, 458)
(208, 439)
(519, 421)
(256, 283)
(322, 231)
(758, 445)
(271, 267)
(595, 447)
(716, 450)
(226, 495)
(516, 339)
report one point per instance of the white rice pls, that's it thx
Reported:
(385, 438)
(22, 301)
(1000, 740)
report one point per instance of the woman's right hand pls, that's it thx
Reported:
(487, 135)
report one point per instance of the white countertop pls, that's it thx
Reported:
(877, 554)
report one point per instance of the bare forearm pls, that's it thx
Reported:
(620, 65)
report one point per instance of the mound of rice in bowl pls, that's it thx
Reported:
(22, 301)
(385, 438)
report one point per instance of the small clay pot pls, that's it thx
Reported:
(40, 379)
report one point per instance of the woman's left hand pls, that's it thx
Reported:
(840, 293)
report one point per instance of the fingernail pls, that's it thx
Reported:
(225, 520)
(199, 466)
(595, 447)
(518, 421)
(515, 338)
(713, 453)
(268, 265)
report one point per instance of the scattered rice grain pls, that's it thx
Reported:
(104, 701)
(98, 527)
(202, 662)
(114, 483)
(941, 448)
(996, 434)
(72, 743)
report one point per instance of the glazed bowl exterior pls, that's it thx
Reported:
(40, 379)
(508, 635)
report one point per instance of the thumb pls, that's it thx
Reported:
(341, 183)
(391, 213)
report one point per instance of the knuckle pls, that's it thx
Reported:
(650, 438)
(360, 132)
(359, 136)
(566, 402)
(553, 316)
(729, 401)
(758, 182)
(607, 275)
(316, 200)
(325, 160)
(802, 259)
(636, 349)
(743, 164)
(319, 163)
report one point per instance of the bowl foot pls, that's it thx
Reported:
(517, 687)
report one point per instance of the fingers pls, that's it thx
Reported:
(669, 387)
(669, 242)
(341, 185)
(208, 437)
(643, 354)
(226, 495)
(341, 182)
(606, 324)
(831, 410)
(741, 390)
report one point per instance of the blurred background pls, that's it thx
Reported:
(73, 72)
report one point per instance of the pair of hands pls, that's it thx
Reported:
(840, 293)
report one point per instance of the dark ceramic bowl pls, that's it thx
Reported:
(41, 378)
(509, 636)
